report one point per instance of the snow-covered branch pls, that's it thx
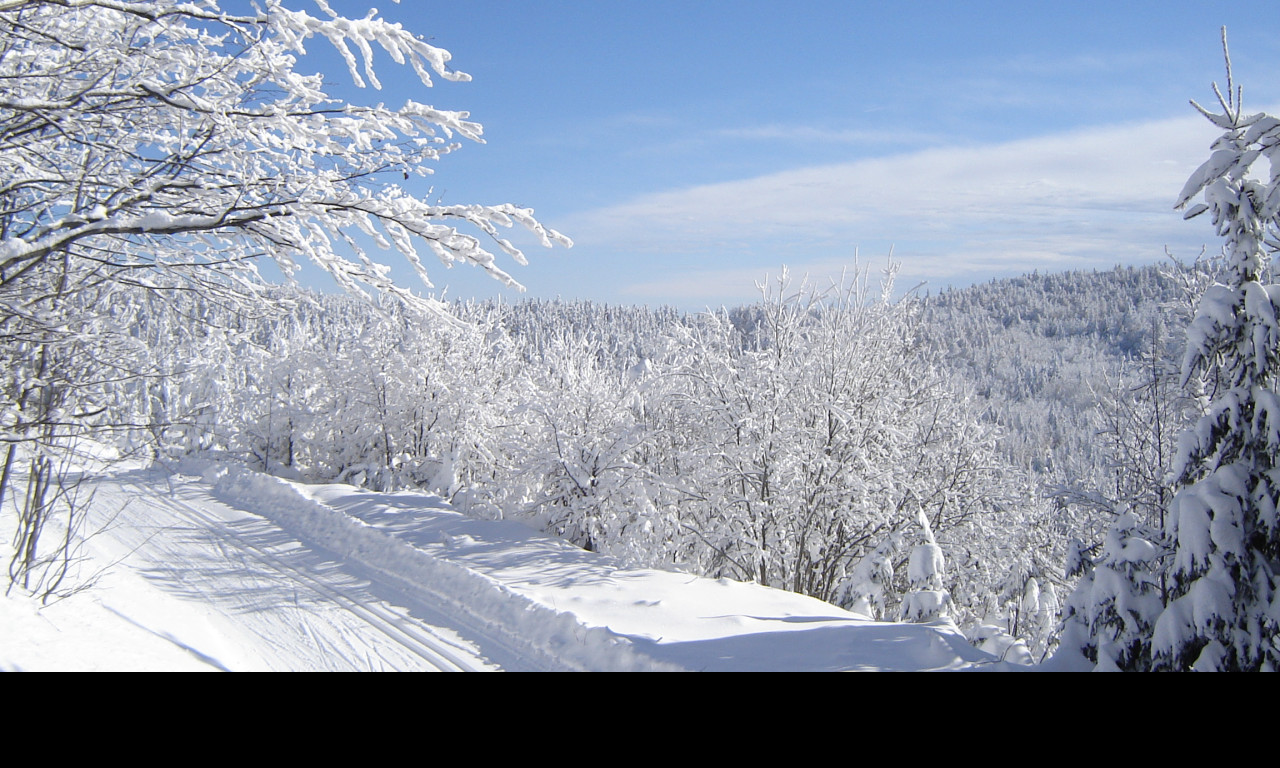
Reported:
(134, 126)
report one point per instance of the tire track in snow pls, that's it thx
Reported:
(400, 629)
(527, 633)
(511, 630)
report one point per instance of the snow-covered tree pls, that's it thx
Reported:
(812, 431)
(1111, 614)
(154, 147)
(157, 134)
(159, 146)
(929, 598)
(1224, 613)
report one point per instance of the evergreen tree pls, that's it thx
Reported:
(929, 599)
(1118, 599)
(1223, 613)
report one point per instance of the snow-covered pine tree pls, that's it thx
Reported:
(1224, 614)
(1118, 599)
(929, 600)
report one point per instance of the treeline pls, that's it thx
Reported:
(810, 441)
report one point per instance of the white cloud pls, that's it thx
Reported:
(809, 134)
(1087, 198)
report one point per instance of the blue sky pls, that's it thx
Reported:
(691, 148)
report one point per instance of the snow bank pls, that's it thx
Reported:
(556, 636)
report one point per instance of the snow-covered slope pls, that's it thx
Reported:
(222, 568)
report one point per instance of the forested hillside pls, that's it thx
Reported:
(1058, 358)
(811, 441)
(1081, 370)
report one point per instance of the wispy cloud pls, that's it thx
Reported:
(822, 135)
(1088, 198)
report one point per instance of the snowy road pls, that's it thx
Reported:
(290, 605)
(226, 569)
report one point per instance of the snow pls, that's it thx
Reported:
(926, 564)
(220, 568)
